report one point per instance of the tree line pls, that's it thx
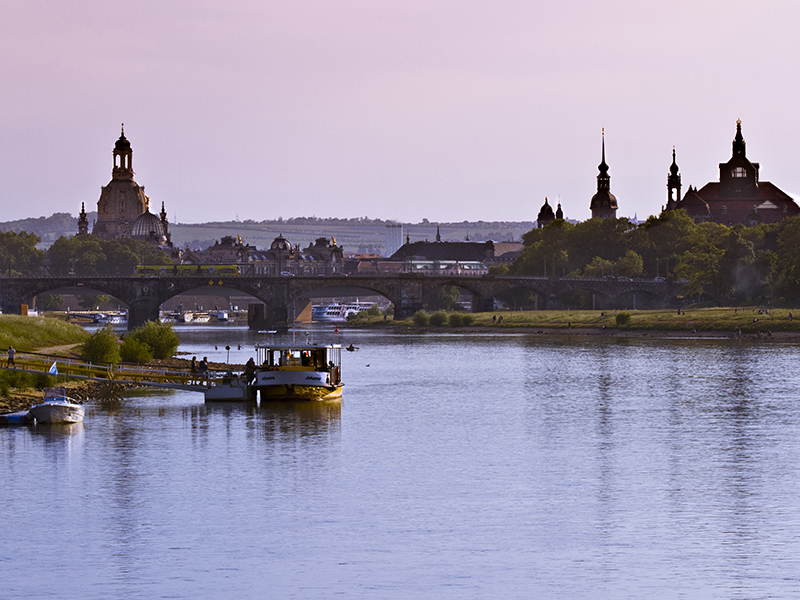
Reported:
(727, 264)
(83, 256)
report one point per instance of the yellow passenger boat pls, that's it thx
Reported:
(299, 372)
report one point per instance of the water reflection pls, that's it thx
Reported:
(57, 431)
(300, 419)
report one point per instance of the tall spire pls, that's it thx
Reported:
(738, 141)
(438, 237)
(603, 204)
(603, 179)
(603, 167)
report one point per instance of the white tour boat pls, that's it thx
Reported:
(298, 372)
(57, 408)
(336, 312)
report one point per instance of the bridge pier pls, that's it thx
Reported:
(141, 311)
(482, 303)
(262, 316)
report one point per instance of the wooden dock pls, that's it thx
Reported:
(122, 373)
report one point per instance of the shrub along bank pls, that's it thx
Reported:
(723, 319)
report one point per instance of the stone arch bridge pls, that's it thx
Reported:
(144, 295)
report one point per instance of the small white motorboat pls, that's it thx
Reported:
(57, 408)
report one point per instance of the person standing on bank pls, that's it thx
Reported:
(11, 354)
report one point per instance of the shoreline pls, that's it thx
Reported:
(587, 331)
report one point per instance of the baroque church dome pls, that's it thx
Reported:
(147, 226)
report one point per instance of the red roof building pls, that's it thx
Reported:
(738, 197)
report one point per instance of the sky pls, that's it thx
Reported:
(448, 110)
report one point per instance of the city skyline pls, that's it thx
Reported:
(406, 111)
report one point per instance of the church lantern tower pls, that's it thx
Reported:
(604, 203)
(122, 200)
(673, 184)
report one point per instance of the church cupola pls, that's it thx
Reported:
(123, 158)
(546, 215)
(559, 212)
(673, 184)
(604, 203)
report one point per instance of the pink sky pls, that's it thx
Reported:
(404, 110)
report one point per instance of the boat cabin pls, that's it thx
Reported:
(301, 358)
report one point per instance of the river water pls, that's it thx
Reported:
(456, 466)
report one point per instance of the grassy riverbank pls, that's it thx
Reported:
(720, 319)
(18, 390)
(32, 333)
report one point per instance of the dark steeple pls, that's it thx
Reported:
(673, 184)
(83, 222)
(604, 203)
(559, 212)
(438, 237)
(603, 178)
(738, 141)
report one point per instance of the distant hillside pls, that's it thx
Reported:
(355, 235)
(48, 228)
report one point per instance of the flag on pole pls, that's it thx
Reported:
(53, 370)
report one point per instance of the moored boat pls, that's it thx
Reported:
(229, 389)
(299, 372)
(22, 417)
(57, 408)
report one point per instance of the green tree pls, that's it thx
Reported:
(438, 318)
(669, 236)
(49, 302)
(159, 337)
(788, 262)
(420, 318)
(18, 253)
(629, 264)
(88, 255)
(102, 347)
(443, 298)
(92, 301)
(599, 267)
(135, 351)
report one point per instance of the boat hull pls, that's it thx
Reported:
(300, 392)
(235, 391)
(52, 412)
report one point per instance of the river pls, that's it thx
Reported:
(456, 466)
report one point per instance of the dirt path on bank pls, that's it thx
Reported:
(66, 350)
